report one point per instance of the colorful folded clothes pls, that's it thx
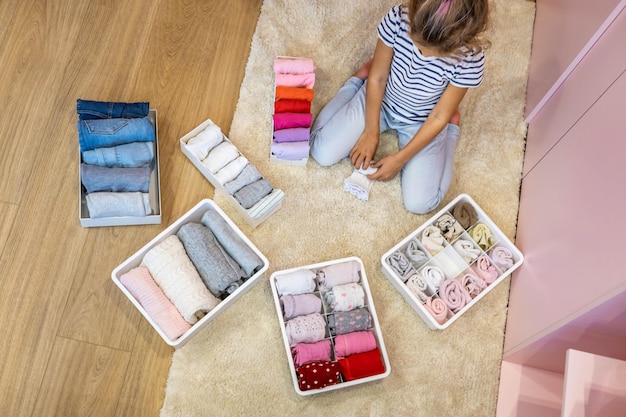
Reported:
(362, 365)
(316, 375)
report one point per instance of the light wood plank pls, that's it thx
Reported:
(7, 214)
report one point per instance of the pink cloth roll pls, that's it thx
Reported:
(300, 305)
(291, 120)
(472, 284)
(160, 309)
(295, 65)
(485, 270)
(437, 308)
(502, 257)
(308, 352)
(454, 295)
(355, 342)
(338, 274)
(305, 329)
(296, 134)
(295, 80)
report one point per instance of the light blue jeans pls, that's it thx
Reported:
(425, 178)
(103, 133)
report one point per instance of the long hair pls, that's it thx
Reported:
(449, 25)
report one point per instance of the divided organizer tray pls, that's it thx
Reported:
(254, 215)
(135, 260)
(468, 245)
(326, 311)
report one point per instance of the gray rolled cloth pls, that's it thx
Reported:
(232, 242)
(415, 254)
(401, 265)
(96, 178)
(247, 176)
(217, 269)
(249, 195)
(109, 204)
(129, 155)
(343, 322)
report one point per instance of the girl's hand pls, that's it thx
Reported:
(388, 168)
(364, 150)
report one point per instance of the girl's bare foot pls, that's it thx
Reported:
(456, 118)
(364, 71)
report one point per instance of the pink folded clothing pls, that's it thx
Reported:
(309, 352)
(316, 375)
(502, 257)
(362, 365)
(295, 65)
(472, 284)
(160, 309)
(437, 308)
(485, 270)
(295, 80)
(296, 134)
(454, 295)
(291, 120)
(355, 342)
(305, 329)
(300, 305)
(337, 274)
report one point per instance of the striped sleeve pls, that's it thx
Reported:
(469, 72)
(389, 26)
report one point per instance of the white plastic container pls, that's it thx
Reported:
(193, 215)
(246, 214)
(154, 193)
(451, 262)
(375, 327)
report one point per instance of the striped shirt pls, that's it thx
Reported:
(416, 82)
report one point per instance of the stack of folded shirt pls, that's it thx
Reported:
(233, 172)
(294, 81)
(116, 142)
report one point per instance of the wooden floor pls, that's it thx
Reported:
(72, 344)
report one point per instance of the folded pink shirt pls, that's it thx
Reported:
(308, 352)
(355, 342)
(291, 120)
(295, 80)
(295, 65)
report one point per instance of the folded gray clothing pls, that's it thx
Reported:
(232, 242)
(414, 254)
(401, 265)
(247, 176)
(129, 155)
(96, 178)
(251, 194)
(217, 269)
(110, 204)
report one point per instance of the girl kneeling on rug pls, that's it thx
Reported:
(427, 55)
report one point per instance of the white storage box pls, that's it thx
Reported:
(327, 310)
(193, 215)
(457, 257)
(154, 193)
(253, 216)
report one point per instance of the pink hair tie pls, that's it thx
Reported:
(443, 7)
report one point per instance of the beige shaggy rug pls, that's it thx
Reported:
(237, 365)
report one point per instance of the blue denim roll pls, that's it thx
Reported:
(96, 178)
(129, 155)
(89, 109)
(104, 133)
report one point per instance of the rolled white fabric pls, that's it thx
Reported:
(112, 204)
(174, 272)
(434, 275)
(358, 184)
(203, 142)
(231, 170)
(300, 281)
(466, 249)
(220, 156)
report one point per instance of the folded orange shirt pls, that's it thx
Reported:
(295, 93)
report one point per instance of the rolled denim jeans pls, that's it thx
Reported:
(89, 109)
(129, 155)
(104, 133)
(96, 178)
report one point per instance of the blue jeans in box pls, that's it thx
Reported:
(89, 109)
(129, 155)
(104, 133)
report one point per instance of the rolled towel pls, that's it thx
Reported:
(418, 286)
(358, 184)
(290, 151)
(291, 120)
(174, 272)
(415, 254)
(437, 308)
(220, 156)
(96, 178)
(317, 375)
(248, 175)
(432, 240)
(292, 106)
(310, 352)
(232, 242)
(299, 281)
(502, 257)
(345, 297)
(343, 322)
(113, 204)
(485, 269)
(218, 270)
(472, 284)
(338, 274)
(295, 80)
(454, 295)
(296, 134)
(465, 213)
(300, 305)
(207, 139)
(160, 309)
(231, 170)
(305, 329)
(433, 275)
(482, 235)
(252, 193)
(294, 93)
(401, 265)
(355, 342)
(450, 228)
(128, 155)
(361, 365)
(466, 249)
(293, 65)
